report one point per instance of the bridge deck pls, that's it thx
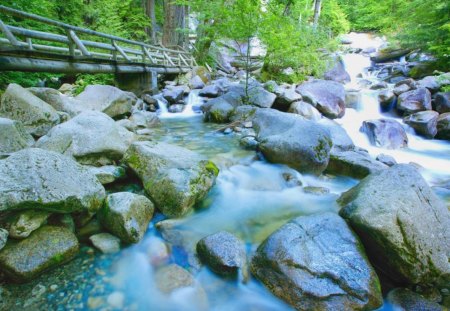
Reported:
(73, 49)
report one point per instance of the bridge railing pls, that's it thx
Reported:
(99, 46)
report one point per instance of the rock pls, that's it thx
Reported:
(403, 299)
(402, 88)
(327, 96)
(116, 300)
(424, 123)
(223, 253)
(19, 104)
(145, 119)
(289, 139)
(379, 86)
(148, 99)
(13, 137)
(338, 73)
(157, 251)
(57, 100)
(385, 133)
(173, 277)
(403, 225)
(48, 181)
(443, 126)
(316, 190)
(174, 177)
(92, 138)
(317, 263)
(126, 215)
(173, 95)
(414, 101)
(285, 98)
(105, 242)
(259, 97)
(249, 143)
(108, 174)
(353, 99)
(93, 227)
(67, 89)
(353, 163)
(210, 91)
(386, 98)
(45, 248)
(107, 99)
(389, 54)
(386, 159)
(176, 108)
(339, 137)
(3, 237)
(62, 220)
(305, 110)
(442, 102)
(431, 83)
(219, 112)
(409, 82)
(244, 113)
(196, 83)
(26, 222)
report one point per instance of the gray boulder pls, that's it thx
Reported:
(26, 222)
(423, 122)
(107, 174)
(403, 225)
(210, 91)
(317, 263)
(126, 215)
(431, 83)
(107, 99)
(386, 98)
(92, 138)
(57, 100)
(13, 137)
(196, 83)
(45, 248)
(403, 299)
(218, 110)
(443, 126)
(174, 177)
(223, 253)
(19, 104)
(305, 110)
(3, 237)
(442, 102)
(386, 159)
(339, 137)
(414, 101)
(174, 94)
(105, 242)
(327, 96)
(259, 97)
(337, 73)
(176, 108)
(290, 139)
(285, 98)
(46, 180)
(145, 119)
(353, 163)
(385, 133)
(402, 88)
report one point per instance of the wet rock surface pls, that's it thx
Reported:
(317, 263)
(13, 137)
(385, 133)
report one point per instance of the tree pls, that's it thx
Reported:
(317, 8)
(150, 10)
(175, 23)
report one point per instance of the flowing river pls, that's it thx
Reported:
(251, 199)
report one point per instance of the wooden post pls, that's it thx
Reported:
(119, 49)
(79, 44)
(30, 44)
(8, 34)
(71, 44)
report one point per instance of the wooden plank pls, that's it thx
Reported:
(149, 55)
(78, 43)
(30, 44)
(8, 34)
(167, 57)
(119, 49)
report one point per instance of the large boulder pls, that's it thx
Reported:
(337, 73)
(218, 110)
(210, 91)
(290, 139)
(46, 180)
(223, 253)
(173, 94)
(45, 248)
(258, 96)
(286, 96)
(423, 122)
(144, 119)
(92, 138)
(403, 225)
(385, 133)
(174, 177)
(317, 263)
(442, 102)
(107, 99)
(57, 100)
(431, 83)
(403, 299)
(353, 163)
(305, 110)
(341, 140)
(414, 101)
(126, 215)
(443, 126)
(19, 104)
(13, 137)
(327, 96)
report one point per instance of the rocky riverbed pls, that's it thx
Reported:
(215, 196)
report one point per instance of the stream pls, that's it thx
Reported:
(251, 199)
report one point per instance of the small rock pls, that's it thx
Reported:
(291, 180)
(403, 299)
(157, 251)
(316, 190)
(414, 101)
(398, 90)
(106, 243)
(228, 131)
(210, 91)
(95, 302)
(247, 124)
(423, 122)
(53, 287)
(386, 159)
(249, 143)
(108, 174)
(223, 253)
(27, 222)
(116, 300)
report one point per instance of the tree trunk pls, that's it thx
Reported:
(317, 8)
(150, 11)
(174, 24)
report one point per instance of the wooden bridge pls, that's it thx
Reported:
(71, 49)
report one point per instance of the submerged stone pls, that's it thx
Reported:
(45, 248)
(105, 242)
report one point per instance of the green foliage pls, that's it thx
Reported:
(333, 18)
(83, 80)
(25, 79)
